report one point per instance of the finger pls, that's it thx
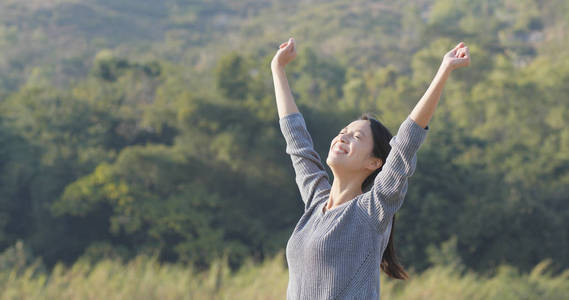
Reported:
(455, 53)
(285, 44)
(291, 49)
(288, 44)
(464, 60)
(457, 48)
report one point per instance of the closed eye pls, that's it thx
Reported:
(356, 136)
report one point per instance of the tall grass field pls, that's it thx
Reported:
(146, 278)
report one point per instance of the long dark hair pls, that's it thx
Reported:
(381, 148)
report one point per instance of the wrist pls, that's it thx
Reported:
(445, 69)
(276, 67)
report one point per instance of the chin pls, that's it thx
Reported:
(332, 161)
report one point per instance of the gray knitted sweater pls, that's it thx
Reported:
(337, 254)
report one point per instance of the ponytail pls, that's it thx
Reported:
(389, 262)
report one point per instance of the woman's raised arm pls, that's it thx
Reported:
(424, 109)
(285, 102)
(390, 186)
(311, 177)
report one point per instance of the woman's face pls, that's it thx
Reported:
(351, 149)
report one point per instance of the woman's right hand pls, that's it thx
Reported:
(285, 54)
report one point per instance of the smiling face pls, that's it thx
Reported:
(351, 149)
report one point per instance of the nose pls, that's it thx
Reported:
(343, 138)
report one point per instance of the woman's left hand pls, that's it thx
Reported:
(457, 58)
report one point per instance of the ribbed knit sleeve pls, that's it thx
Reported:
(390, 186)
(311, 177)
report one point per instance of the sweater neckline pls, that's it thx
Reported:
(328, 211)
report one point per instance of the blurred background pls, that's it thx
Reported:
(141, 157)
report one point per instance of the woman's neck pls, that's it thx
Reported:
(344, 189)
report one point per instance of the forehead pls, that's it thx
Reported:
(361, 125)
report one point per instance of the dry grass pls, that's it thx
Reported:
(145, 278)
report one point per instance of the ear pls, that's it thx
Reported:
(374, 163)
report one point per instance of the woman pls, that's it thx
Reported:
(346, 229)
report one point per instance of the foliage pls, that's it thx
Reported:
(150, 127)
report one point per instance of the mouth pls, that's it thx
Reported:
(337, 149)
